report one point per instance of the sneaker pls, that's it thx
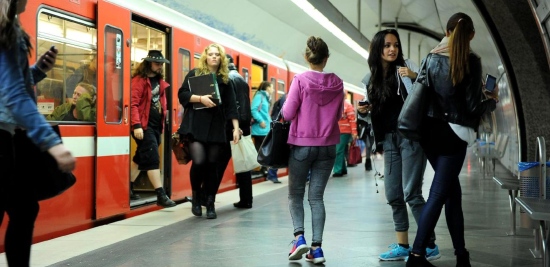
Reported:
(396, 253)
(433, 254)
(298, 249)
(316, 256)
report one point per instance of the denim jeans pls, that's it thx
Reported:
(404, 165)
(340, 161)
(445, 190)
(319, 160)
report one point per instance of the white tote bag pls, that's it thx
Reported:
(244, 155)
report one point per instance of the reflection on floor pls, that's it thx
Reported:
(358, 227)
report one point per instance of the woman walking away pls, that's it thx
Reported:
(18, 110)
(454, 73)
(205, 128)
(404, 159)
(314, 106)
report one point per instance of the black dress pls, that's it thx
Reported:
(207, 125)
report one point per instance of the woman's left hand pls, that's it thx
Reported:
(237, 136)
(46, 62)
(406, 72)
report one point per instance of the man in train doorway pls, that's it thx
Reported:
(147, 113)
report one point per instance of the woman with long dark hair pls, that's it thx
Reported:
(454, 110)
(206, 128)
(404, 161)
(18, 110)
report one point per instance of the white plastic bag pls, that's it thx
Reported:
(244, 155)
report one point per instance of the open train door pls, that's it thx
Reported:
(113, 101)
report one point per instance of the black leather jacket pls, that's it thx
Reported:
(462, 104)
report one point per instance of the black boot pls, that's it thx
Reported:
(133, 196)
(163, 200)
(418, 261)
(210, 210)
(368, 164)
(196, 208)
(463, 260)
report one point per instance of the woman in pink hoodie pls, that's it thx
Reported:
(314, 105)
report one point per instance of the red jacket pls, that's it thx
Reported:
(140, 102)
(347, 122)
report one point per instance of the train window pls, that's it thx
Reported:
(185, 57)
(275, 94)
(72, 82)
(280, 88)
(245, 75)
(113, 76)
(197, 57)
(145, 38)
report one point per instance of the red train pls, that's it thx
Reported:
(103, 40)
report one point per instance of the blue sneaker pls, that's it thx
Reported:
(396, 253)
(316, 256)
(298, 249)
(433, 254)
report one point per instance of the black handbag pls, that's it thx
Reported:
(39, 168)
(274, 150)
(409, 122)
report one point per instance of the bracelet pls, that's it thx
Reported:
(200, 99)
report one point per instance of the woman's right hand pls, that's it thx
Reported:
(65, 160)
(262, 125)
(207, 101)
(138, 133)
(364, 109)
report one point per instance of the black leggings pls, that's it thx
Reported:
(204, 168)
(21, 209)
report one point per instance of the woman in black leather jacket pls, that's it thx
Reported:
(455, 107)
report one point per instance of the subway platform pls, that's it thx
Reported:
(358, 228)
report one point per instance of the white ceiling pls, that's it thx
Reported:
(281, 28)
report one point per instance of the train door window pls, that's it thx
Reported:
(280, 88)
(256, 77)
(72, 82)
(197, 58)
(113, 76)
(276, 95)
(185, 58)
(145, 38)
(246, 76)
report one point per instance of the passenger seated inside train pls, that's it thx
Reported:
(80, 108)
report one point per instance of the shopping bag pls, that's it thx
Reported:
(354, 154)
(244, 155)
(274, 150)
(39, 168)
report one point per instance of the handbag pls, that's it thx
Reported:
(354, 154)
(409, 122)
(274, 150)
(39, 168)
(244, 155)
(180, 147)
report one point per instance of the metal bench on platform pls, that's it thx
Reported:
(511, 183)
(539, 210)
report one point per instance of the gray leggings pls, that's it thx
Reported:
(320, 160)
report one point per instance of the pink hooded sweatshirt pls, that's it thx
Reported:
(314, 106)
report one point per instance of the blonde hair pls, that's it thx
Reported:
(90, 88)
(223, 69)
(461, 27)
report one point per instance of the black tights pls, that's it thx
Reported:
(21, 210)
(204, 169)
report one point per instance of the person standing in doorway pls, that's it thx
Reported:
(277, 106)
(260, 113)
(147, 113)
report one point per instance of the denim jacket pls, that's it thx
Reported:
(17, 98)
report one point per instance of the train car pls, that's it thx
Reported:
(100, 42)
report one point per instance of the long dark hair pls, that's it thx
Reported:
(461, 28)
(143, 70)
(9, 26)
(381, 84)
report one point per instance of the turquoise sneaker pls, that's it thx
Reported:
(433, 254)
(396, 253)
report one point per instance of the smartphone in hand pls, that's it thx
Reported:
(490, 83)
(43, 64)
(364, 102)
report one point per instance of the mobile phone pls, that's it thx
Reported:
(490, 82)
(363, 102)
(42, 64)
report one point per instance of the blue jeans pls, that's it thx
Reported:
(340, 161)
(404, 165)
(272, 174)
(445, 190)
(318, 159)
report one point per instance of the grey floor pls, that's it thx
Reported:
(358, 228)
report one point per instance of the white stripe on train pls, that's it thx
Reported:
(106, 146)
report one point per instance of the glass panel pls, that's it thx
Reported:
(185, 57)
(145, 38)
(275, 94)
(280, 89)
(113, 75)
(69, 91)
